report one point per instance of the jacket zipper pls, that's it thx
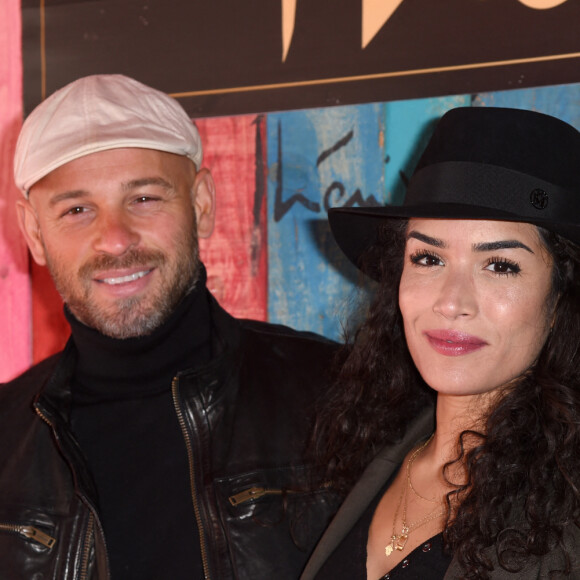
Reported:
(86, 549)
(31, 533)
(255, 492)
(90, 527)
(204, 557)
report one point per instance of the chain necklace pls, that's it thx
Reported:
(409, 481)
(398, 541)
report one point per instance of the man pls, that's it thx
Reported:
(166, 440)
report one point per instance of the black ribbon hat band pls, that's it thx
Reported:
(526, 197)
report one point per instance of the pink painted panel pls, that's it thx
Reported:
(50, 328)
(15, 317)
(236, 253)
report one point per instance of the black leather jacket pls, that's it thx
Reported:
(245, 419)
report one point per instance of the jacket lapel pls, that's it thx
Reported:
(366, 488)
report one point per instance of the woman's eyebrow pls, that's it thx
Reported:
(427, 239)
(481, 247)
(500, 245)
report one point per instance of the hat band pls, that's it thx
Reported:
(491, 186)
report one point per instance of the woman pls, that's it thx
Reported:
(457, 408)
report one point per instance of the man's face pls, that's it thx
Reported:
(118, 231)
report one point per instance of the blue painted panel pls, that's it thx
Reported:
(562, 101)
(327, 158)
(357, 155)
(409, 125)
(317, 159)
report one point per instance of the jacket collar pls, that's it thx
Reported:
(373, 478)
(54, 398)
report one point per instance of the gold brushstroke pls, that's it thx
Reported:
(288, 23)
(375, 76)
(542, 4)
(375, 14)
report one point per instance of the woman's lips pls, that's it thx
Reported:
(453, 343)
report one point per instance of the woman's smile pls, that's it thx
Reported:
(453, 343)
(475, 300)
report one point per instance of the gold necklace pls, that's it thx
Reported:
(409, 463)
(398, 541)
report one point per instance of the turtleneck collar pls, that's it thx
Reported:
(114, 369)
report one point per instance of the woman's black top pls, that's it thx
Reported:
(428, 561)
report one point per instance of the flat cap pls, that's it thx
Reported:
(96, 113)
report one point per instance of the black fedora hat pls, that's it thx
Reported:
(483, 163)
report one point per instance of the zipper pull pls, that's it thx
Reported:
(247, 494)
(37, 535)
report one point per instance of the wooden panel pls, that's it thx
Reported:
(562, 101)
(50, 328)
(15, 323)
(409, 125)
(325, 158)
(315, 159)
(235, 255)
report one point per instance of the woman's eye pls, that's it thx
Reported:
(426, 259)
(502, 266)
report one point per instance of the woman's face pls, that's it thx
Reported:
(475, 300)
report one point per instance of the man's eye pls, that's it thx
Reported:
(75, 210)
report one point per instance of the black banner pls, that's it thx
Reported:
(222, 57)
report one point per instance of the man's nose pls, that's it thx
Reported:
(115, 233)
(456, 296)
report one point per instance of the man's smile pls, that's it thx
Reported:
(123, 279)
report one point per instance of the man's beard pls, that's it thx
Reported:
(135, 315)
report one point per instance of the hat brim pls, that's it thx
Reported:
(355, 229)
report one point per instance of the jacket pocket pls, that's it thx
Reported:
(273, 518)
(29, 549)
(254, 493)
(29, 533)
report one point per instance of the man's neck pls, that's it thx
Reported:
(119, 368)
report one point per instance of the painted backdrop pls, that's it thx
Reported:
(271, 256)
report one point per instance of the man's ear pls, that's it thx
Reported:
(203, 192)
(30, 228)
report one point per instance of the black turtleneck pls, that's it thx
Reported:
(124, 419)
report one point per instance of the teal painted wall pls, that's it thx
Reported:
(360, 154)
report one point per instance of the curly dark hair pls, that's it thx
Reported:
(523, 472)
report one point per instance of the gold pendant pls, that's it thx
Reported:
(401, 541)
(397, 543)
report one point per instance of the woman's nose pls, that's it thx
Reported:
(456, 295)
